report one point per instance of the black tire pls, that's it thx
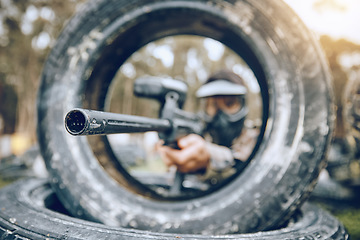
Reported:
(297, 99)
(31, 210)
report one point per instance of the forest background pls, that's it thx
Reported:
(29, 28)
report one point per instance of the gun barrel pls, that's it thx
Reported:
(89, 122)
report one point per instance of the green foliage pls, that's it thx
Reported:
(351, 220)
(4, 183)
(348, 215)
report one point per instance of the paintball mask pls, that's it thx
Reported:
(226, 110)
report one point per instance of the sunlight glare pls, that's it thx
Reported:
(336, 18)
(215, 49)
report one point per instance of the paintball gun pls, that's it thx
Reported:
(172, 124)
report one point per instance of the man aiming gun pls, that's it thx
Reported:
(225, 111)
(192, 142)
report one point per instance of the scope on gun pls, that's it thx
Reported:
(158, 88)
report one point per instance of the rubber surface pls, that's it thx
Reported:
(297, 99)
(27, 211)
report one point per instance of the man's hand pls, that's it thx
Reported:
(192, 156)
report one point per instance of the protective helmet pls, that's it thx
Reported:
(224, 127)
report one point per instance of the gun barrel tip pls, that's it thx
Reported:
(75, 122)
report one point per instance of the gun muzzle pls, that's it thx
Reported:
(89, 122)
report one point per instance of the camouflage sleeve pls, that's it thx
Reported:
(221, 157)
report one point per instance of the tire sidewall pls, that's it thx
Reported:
(286, 164)
(27, 212)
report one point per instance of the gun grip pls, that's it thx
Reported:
(177, 186)
(173, 145)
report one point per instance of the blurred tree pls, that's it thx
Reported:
(28, 29)
(9, 100)
(188, 58)
(334, 49)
